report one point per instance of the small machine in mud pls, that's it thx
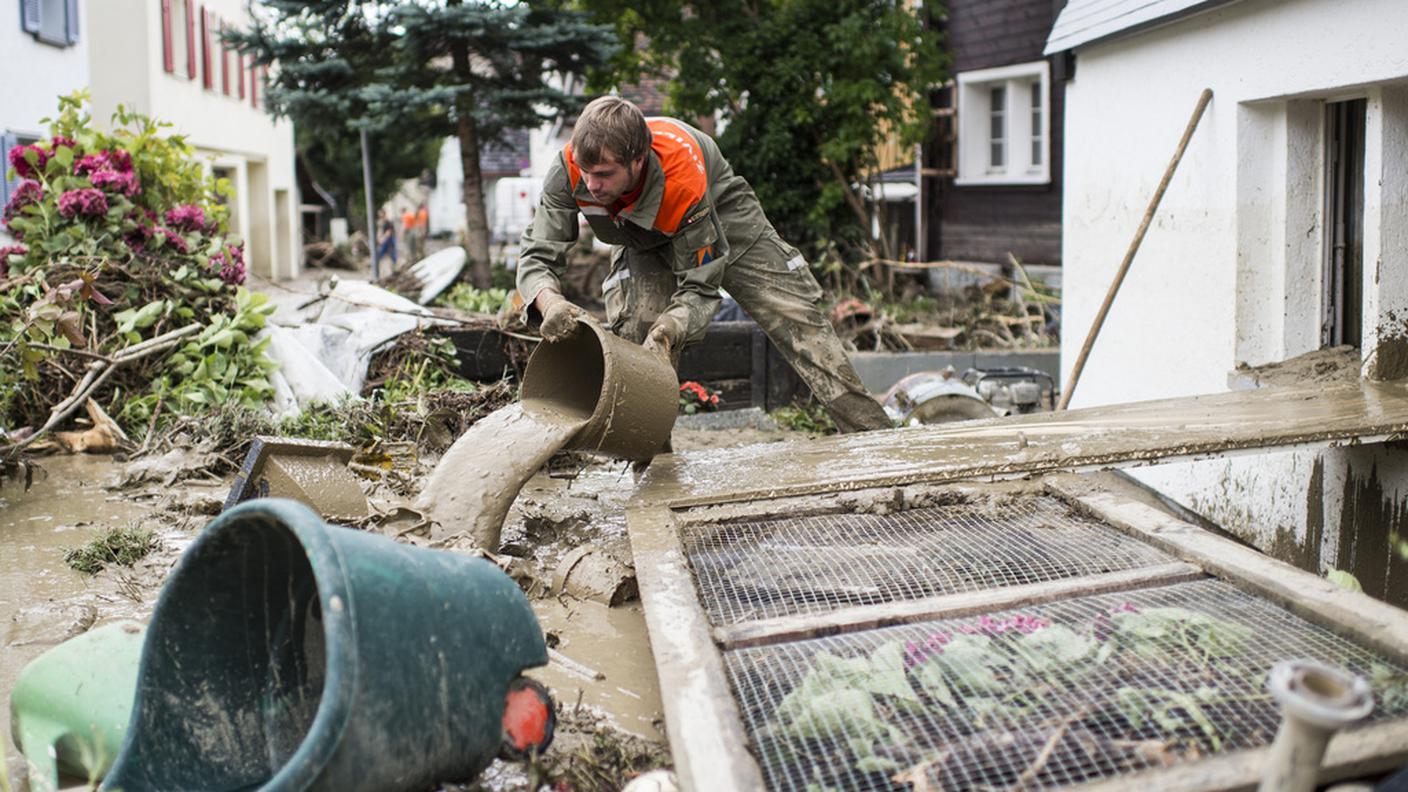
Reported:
(933, 397)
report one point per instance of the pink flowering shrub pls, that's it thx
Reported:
(29, 161)
(113, 181)
(134, 217)
(186, 217)
(6, 252)
(87, 202)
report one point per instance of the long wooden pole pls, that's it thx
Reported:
(1070, 386)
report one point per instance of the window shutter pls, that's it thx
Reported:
(29, 18)
(239, 72)
(7, 185)
(224, 62)
(207, 79)
(71, 21)
(253, 83)
(168, 58)
(190, 39)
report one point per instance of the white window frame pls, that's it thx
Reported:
(975, 119)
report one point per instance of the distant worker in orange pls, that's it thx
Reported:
(682, 225)
(422, 228)
(408, 235)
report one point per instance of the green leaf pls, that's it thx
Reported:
(1054, 648)
(930, 676)
(1344, 580)
(64, 156)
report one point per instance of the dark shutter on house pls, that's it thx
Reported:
(206, 78)
(7, 185)
(190, 39)
(168, 57)
(239, 72)
(29, 19)
(71, 21)
(224, 61)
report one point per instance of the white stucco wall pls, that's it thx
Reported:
(1230, 269)
(35, 74)
(127, 68)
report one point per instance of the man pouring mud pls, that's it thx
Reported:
(683, 225)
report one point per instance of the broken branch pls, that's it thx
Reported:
(98, 373)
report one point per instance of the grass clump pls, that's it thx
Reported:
(123, 546)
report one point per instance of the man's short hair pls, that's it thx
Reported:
(610, 126)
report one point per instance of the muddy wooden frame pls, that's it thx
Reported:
(707, 736)
(1220, 425)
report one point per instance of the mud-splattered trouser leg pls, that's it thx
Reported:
(771, 281)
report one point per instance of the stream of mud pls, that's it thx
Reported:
(475, 483)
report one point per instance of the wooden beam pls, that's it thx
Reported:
(1366, 751)
(1350, 614)
(947, 606)
(707, 738)
(1119, 435)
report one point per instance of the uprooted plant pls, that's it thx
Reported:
(124, 286)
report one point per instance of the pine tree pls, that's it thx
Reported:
(415, 70)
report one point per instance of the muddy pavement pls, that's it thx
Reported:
(43, 601)
(601, 674)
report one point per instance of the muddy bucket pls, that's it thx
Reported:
(627, 395)
(285, 654)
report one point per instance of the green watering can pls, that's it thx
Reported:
(286, 655)
(70, 706)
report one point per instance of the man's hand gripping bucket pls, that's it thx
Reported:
(628, 395)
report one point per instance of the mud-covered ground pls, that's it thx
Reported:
(610, 727)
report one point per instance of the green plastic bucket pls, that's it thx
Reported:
(285, 654)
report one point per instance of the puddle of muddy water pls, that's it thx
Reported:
(64, 508)
(608, 663)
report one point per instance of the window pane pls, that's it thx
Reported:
(997, 127)
(1038, 143)
(53, 18)
(998, 106)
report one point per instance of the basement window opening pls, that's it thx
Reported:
(1343, 281)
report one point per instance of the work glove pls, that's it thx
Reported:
(560, 319)
(664, 336)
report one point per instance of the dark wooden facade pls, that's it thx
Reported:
(985, 223)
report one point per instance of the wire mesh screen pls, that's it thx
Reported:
(776, 567)
(1036, 698)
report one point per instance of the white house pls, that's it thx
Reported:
(508, 195)
(1285, 230)
(43, 54)
(165, 59)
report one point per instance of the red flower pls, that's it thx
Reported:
(22, 167)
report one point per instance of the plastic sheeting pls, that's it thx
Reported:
(324, 360)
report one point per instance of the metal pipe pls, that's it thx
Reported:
(1316, 701)
(367, 188)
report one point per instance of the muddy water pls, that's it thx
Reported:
(65, 508)
(603, 660)
(475, 483)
